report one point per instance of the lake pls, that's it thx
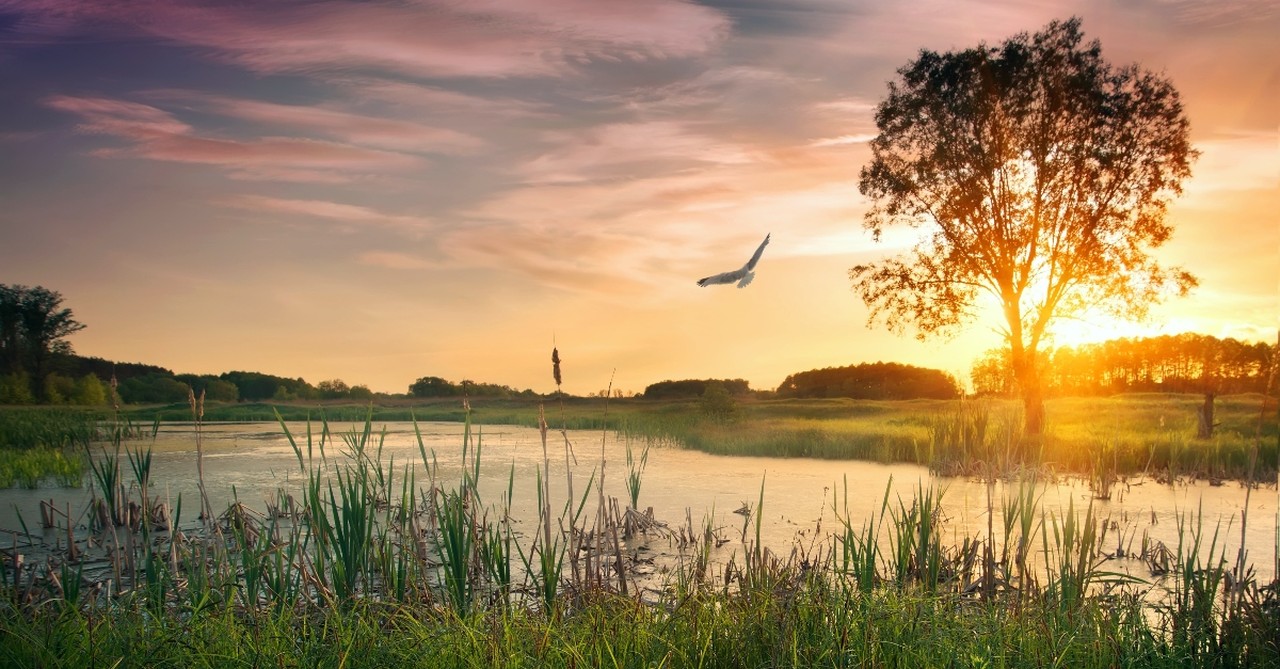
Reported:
(251, 462)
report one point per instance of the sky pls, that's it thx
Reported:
(384, 190)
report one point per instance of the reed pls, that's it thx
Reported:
(635, 473)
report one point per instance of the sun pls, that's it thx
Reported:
(1076, 331)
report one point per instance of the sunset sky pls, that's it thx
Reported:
(379, 191)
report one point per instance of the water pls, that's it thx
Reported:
(251, 462)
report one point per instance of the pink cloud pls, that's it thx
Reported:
(349, 127)
(328, 210)
(580, 260)
(580, 155)
(487, 38)
(157, 135)
(391, 260)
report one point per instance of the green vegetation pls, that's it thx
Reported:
(684, 389)
(872, 381)
(371, 566)
(45, 444)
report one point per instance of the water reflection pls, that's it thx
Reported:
(252, 462)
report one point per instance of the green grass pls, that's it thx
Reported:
(30, 467)
(814, 625)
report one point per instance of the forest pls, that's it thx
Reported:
(1182, 363)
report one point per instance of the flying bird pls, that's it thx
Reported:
(743, 275)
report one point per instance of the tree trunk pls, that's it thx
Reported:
(1028, 378)
(1033, 410)
(1205, 430)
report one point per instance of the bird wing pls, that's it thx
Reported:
(755, 258)
(743, 274)
(723, 277)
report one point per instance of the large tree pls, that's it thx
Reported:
(33, 326)
(1041, 174)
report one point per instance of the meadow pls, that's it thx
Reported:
(377, 564)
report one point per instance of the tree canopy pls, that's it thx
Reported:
(33, 326)
(687, 388)
(875, 381)
(1041, 174)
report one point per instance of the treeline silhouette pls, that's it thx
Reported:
(871, 381)
(686, 388)
(435, 386)
(1182, 363)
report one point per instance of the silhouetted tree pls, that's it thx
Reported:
(1042, 173)
(872, 381)
(433, 386)
(33, 327)
(690, 388)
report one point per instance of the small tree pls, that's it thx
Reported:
(90, 391)
(718, 404)
(1042, 173)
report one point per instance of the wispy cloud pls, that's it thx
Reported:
(392, 260)
(583, 260)
(486, 38)
(1237, 162)
(330, 211)
(150, 132)
(588, 154)
(843, 140)
(348, 127)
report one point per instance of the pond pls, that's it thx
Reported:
(251, 462)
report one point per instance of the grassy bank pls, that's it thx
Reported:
(375, 564)
(46, 444)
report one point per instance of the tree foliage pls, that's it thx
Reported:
(435, 386)
(690, 388)
(874, 381)
(1041, 173)
(33, 327)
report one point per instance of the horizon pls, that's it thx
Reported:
(375, 193)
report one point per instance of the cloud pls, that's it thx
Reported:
(348, 127)
(580, 260)
(581, 155)
(1237, 162)
(332, 211)
(427, 38)
(842, 140)
(391, 260)
(155, 134)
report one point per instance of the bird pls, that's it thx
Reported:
(743, 275)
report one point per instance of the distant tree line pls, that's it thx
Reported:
(871, 381)
(1183, 363)
(670, 390)
(435, 386)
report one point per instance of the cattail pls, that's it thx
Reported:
(555, 365)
